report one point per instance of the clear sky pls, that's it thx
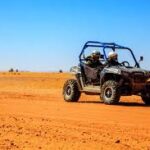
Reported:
(47, 35)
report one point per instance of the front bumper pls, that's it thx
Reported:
(135, 83)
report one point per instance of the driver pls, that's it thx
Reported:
(94, 59)
(113, 59)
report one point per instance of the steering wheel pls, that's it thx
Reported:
(125, 63)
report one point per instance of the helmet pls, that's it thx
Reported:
(112, 55)
(96, 55)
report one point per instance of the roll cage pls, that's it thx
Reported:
(102, 45)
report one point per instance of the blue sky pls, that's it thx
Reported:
(47, 35)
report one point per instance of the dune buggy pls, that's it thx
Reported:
(110, 82)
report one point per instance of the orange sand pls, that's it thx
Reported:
(33, 115)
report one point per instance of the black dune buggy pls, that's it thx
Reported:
(110, 82)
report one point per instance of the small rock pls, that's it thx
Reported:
(12, 143)
(117, 141)
(83, 141)
(37, 134)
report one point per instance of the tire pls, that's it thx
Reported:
(110, 94)
(146, 99)
(71, 91)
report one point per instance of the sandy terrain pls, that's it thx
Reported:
(33, 115)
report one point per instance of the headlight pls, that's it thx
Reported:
(113, 70)
(117, 71)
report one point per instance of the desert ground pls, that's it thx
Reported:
(33, 115)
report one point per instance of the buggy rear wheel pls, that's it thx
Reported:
(71, 91)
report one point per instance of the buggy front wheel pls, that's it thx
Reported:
(110, 92)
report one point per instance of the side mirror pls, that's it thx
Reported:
(141, 58)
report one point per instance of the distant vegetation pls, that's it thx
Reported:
(13, 70)
(60, 71)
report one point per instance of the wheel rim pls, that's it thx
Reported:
(68, 90)
(108, 92)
